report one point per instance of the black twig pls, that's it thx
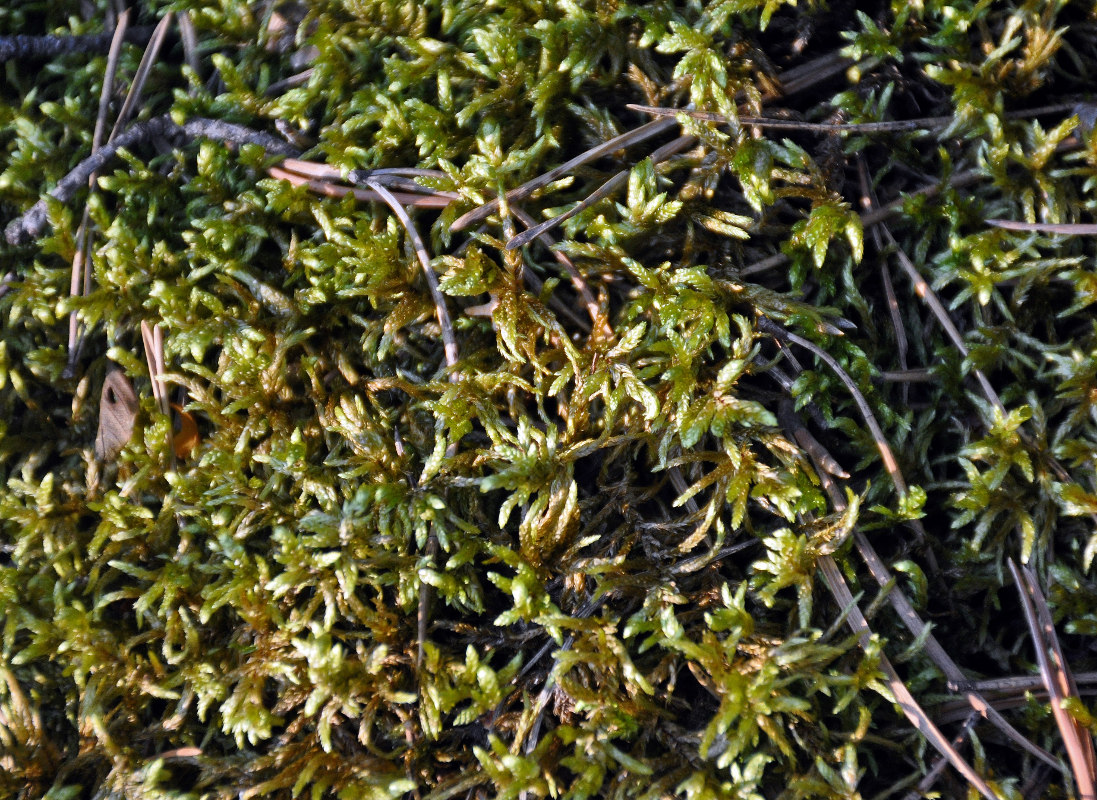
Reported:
(202, 128)
(25, 48)
(33, 223)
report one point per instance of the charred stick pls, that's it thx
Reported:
(32, 224)
(26, 48)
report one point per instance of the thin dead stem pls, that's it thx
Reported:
(328, 189)
(824, 461)
(868, 202)
(449, 341)
(924, 291)
(451, 354)
(643, 133)
(189, 36)
(602, 192)
(915, 375)
(1059, 229)
(582, 288)
(152, 336)
(912, 125)
(80, 283)
(935, 771)
(914, 713)
(885, 212)
(922, 125)
(876, 566)
(1057, 680)
(144, 69)
(940, 313)
(886, 455)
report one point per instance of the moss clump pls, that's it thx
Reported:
(565, 527)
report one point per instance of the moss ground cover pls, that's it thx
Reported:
(712, 484)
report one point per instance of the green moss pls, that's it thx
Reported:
(584, 560)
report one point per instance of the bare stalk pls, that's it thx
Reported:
(81, 276)
(603, 191)
(1057, 680)
(449, 341)
(628, 139)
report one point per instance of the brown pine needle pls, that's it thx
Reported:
(81, 282)
(922, 125)
(937, 654)
(925, 291)
(875, 564)
(1057, 680)
(790, 421)
(329, 189)
(914, 713)
(393, 177)
(144, 69)
(189, 36)
(603, 191)
(886, 455)
(153, 338)
(1059, 229)
(912, 125)
(627, 139)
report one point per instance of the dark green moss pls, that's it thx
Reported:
(582, 561)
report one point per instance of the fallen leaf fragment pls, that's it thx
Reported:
(187, 438)
(117, 411)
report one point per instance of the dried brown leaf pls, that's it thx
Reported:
(117, 411)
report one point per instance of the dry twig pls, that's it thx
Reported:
(26, 48)
(80, 283)
(643, 133)
(1057, 680)
(451, 353)
(875, 564)
(32, 223)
